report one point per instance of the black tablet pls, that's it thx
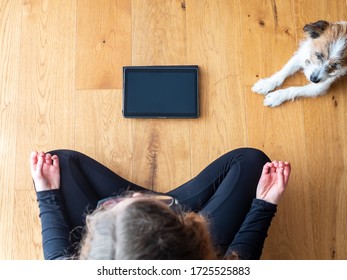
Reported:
(160, 92)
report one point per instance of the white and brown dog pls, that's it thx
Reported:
(322, 57)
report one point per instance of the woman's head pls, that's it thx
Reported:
(145, 228)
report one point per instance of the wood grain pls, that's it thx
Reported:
(27, 241)
(103, 43)
(46, 103)
(10, 19)
(101, 131)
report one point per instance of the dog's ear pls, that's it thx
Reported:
(315, 29)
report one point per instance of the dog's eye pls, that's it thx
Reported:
(334, 65)
(319, 55)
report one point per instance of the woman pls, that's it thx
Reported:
(89, 212)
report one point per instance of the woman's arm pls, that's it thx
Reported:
(249, 241)
(55, 232)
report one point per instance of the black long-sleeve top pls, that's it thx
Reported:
(247, 244)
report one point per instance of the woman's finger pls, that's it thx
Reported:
(55, 160)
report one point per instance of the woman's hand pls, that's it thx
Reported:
(273, 181)
(45, 171)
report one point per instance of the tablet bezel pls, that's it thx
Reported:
(152, 69)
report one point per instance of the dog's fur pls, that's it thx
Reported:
(322, 57)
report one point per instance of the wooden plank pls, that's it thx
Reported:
(103, 43)
(46, 95)
(326, 151)
(10, 22)
(161, 153)
(214, 43)
(159, 32)
(101, 131)
(47, 79)
(27, 237)
(161, 147)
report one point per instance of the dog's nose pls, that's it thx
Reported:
(314, 79)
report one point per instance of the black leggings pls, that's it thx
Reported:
(222, 192)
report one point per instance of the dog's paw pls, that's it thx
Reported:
(264, 86)
(275, 98)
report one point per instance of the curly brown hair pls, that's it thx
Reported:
(146, 230)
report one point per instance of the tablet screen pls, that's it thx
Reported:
(160, 92)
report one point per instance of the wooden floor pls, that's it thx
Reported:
(61, 87)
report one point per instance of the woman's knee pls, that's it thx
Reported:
(252, 154)
(67, 154)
